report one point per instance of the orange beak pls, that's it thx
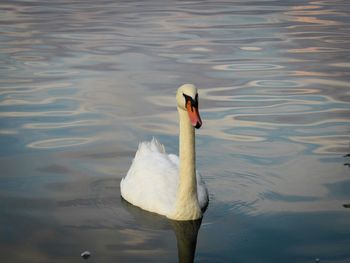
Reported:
(193, 114)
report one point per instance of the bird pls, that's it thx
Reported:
(168, 184)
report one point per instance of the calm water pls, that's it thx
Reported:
(82, 82)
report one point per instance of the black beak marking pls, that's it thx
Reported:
(194, 103)
(198, 125)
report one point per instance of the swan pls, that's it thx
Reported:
(165, 183)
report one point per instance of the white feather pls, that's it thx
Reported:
(152, 180)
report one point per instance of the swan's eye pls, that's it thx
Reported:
(189, 99)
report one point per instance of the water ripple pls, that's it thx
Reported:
(248, 67)
(82, 83)
(59, 143)
(327, 144)
(278, 84)
(272, 76)
(62, 125)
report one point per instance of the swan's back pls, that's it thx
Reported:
(152, 180)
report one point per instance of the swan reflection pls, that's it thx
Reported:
(347, 205)
(186, 235)
(186, 232)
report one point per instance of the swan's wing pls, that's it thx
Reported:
(202, 190)
(151, 182)
(175, 159)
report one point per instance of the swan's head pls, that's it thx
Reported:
(187, 100)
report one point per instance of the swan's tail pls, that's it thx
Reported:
(148, 147)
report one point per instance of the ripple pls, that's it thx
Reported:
(201, 49)
(247, 67)
(5, 68)
(57, 73)
(21, 102)
(88, 80)
(276, 83)
(63, 113)
(8, 132)
(57, 125)
(36, 64)
(27, 88)
(30, 58)
(59, 143)
(251, 48)
(315, 50)
(294, 115)
(328, 144)
(340, 65)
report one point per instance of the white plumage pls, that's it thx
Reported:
(152, 180)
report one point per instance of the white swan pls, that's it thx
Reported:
(161, 183)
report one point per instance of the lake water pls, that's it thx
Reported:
(82, 82)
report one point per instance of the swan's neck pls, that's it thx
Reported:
(187, 206)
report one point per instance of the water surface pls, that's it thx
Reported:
(82, 82)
